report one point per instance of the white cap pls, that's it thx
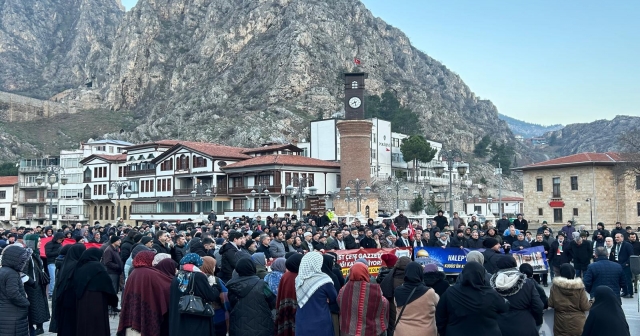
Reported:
(404, 231)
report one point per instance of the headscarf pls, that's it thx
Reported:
(469, 295)
(567, 271)
(278, 265)
(259, 258)
(159, 257)
(363, 261)
(606, 316)
(359, 272)
(327, 268)
(208, 265)
(289, 254)
(65, 275)
(395, 278)
(476, 256)
(144, 259)
(293, 263)
(192, 259)
(246, 267)
(91, 275)
(310, 277)
(277, 271)
(413, 279)
(363, 309)
(31, 241)
(389, 259)
(168, 267)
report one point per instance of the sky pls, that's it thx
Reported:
(541, 61)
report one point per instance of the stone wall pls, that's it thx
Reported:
(14, 108)
(341, 208)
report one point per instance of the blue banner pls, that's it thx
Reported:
(451, 260)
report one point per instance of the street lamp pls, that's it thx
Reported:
(348, 198)
(331, 195)
(53, 176)
(396, 184)
(462, 168)
(201, 189)
(116, 190)
(590, 211)
(262, 190)
(298, 193)
(498, 172)
(359, 186)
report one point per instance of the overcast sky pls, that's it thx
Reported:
(540, 61)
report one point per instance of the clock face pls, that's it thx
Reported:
(354, 102)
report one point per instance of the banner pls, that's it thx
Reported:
(346, 258)
(67, 241)
(451, 260)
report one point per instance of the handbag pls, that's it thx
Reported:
(193, 304)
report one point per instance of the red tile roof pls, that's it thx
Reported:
(271, 148)
(215, 150)
(511, 199)
(116, 158)
(577, 159)
(289, 160)
(8, 180)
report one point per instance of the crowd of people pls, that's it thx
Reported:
(280, 276)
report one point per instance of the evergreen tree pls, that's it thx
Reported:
(432, 206)
(8, 169)
(417, 149)
(481, 147)
(503, 156)
(417, 205)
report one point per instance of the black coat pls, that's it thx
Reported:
(525, 310)
(178, 253)
(564, 257)
(457, 241)
(473, 243)
(160, 248)
(187, 324)
(441, 222)
(36, 291)
(521, 225)
(626, 251)
(265, 250)
(502, 225)
(367, 242)
(251, 300)
(581, 254)
(125, 249)
(437, 281)
(52, 248)
(229, 260)
(350, 243)
(491, 258)
(14, 306)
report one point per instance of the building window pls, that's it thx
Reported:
(354, 85)
(540, 212)
(373, 153)
(2, 212)
(574, 183)
(557, 215)
(637, 182)
(638, 209)
(556, 187)
(539, 184)
(3, 194)
(338, 181)
(575, 211)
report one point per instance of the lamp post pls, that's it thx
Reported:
(201, 189)
(348, 198)
(590, 211)
(498, 172)
(422, 190)
(359, 186)
(53, 176)
(396, 184)
(331, 195)
(262, 190)
(450, 155)
(298, 193)
(116, 190)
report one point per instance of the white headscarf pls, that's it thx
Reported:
(310, 277)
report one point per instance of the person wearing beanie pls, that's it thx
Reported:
(492, 254)
(527, 270)
(525, 306)
(111, 260)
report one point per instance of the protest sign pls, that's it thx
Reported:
(346, 258)
(451, 260)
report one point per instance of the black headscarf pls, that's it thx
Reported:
(91, 275)
(413, 279)
(246, 267)
(606, 316)
(327, 268)
(469, 293)
(293, 263)
(65, 275)
(567, 271)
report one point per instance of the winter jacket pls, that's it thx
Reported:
(198, 248)
(569, 300)
(556, 257)
(178, 253)
(604, 273)
(265, 250)
(503, 224)
(276, 249)
(14, 306)
(111, 260)
(581, 254)
(525, 306)
(229, 260)
(473, 243)
(52, 248)
(568, 230)
(520, 243)
(251, 300)
(521, 225)
(125, 249)
(382, 273)
(160, 247)
(491, 258)
(437, 281)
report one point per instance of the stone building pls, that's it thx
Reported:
(586, 187)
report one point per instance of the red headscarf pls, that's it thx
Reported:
(359, 272)
(389, 259)
(144, 259)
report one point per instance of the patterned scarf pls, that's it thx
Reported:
(310, 277)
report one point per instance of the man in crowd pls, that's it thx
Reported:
(228, 254)
(276, 246)
(559, 253)
(404, 240)
(51, 250)
(581, 253)
(474, 222)
(160, 242)
(179, 248)
(441, 221)
(520, 244)
(618, 229)
(307, 242)
(544, 226)
(401, 221)
(503, 224)
(568, 230)
(265, 246)
(521, 224)
(112, 261)
(474, 242)
(541, 242)
(458, 240)
(604, 272)
(367, 241)
(623, 252)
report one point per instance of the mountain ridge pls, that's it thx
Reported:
(527, 129)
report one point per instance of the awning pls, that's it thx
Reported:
(556, 204)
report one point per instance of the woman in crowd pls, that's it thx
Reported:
(145, 300)
(64, 298)
(36, 286)
(525, 307)
(14, 306)
(569, 300)
(251, 300)
(476, 256)
(418, 302)
(261, 264)
(286, 302)
(327, 268)
(159, 257)
(315, 292)
(393, 280)
(277, 271)
(167, 267)
(364, 311)
(94, 295)
(221, 305)
(433, 278)
(606, 316)
(190, 279)
(471, 307)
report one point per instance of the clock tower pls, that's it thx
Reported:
(354, 95)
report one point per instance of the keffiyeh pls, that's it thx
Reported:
(310, 277)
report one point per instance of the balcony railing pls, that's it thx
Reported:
(32, 169)
(187, 191)
(273, 189)
(32, 200)
(247, 209)
(131, 173)
(31, 185)
(31, 215)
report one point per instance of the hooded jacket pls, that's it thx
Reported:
(14, 306)
(525, 306)
(569, 299)
(251, 304)
(229, 260)
(52, 248)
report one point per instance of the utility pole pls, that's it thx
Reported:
(499, 173)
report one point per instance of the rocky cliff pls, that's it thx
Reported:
(47, 46)
(598, 136)
(244, 72)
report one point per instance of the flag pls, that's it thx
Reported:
(388, 150)
(394, 229)
(411, 230)
(356, 61)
